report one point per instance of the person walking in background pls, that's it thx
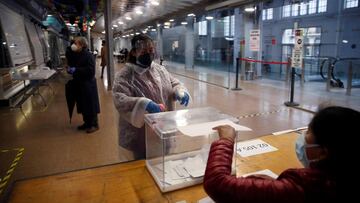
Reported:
(103, 58)
(83, 72)
(141, 87)
(318, 149)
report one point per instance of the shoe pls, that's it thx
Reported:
(92, 129)
(82, 127)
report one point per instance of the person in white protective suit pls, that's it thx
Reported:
(141, 87)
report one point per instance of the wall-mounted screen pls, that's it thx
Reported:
(36, 48)
(44, 43)
(13, 27)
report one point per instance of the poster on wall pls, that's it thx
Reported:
(255, 40)
(297, 54)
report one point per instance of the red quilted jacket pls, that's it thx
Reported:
(293, 185)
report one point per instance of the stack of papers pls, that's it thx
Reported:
(195, 166)
(180, 171)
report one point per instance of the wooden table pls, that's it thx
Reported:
(131, 182)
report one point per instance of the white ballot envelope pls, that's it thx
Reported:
(206, 128)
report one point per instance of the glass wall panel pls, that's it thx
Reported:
(222, 35)
(174, 44)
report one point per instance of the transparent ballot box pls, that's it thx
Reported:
(177, 146)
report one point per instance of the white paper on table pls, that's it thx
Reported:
(195, 166)
(253, 147)
(206, 128)
(262, 172)
(206, 200)
(170, 181)
(176, 170)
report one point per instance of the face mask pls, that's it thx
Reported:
(145, 60)
(300, 149)
(74, 47)
(140, 70)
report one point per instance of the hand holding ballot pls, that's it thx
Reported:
(226, 132)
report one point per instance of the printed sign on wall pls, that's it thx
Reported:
(254, 40)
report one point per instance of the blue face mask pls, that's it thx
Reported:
(300, 149)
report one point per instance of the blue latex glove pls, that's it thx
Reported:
(183, 98)
(71, 70)
(153, 107)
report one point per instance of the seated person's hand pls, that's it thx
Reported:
(71, 70)
(183, 97)
(226, 132)
(153, 107)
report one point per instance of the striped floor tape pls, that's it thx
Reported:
(4, 180)
(263, 113)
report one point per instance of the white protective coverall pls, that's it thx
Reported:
(134, 87)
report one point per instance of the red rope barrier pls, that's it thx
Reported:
(263, 62)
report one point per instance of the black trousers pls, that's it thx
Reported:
(102, 71)
(90, 120)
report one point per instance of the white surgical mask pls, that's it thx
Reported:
(140, 70)
(74, 47)
(300, 149)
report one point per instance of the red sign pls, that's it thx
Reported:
(273, 41)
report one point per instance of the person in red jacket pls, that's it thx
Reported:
(319, 151)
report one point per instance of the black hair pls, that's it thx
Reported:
(332, 127)
(137, 38)
(141, 37)
(103, 42)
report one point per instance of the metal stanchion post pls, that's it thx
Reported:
(237, 76)
(302, 78)
(328, 81)
(349, 80)
(288, 70)
(291, 102)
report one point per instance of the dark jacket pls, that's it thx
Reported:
(87, 99)
(70, 57)
(293, 185)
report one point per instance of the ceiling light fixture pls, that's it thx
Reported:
(209, 17)
(191, 15)
(184, 23)
(155, 3)
(128, 18)
(250, 9)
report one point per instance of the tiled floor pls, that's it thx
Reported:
(53, 145)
